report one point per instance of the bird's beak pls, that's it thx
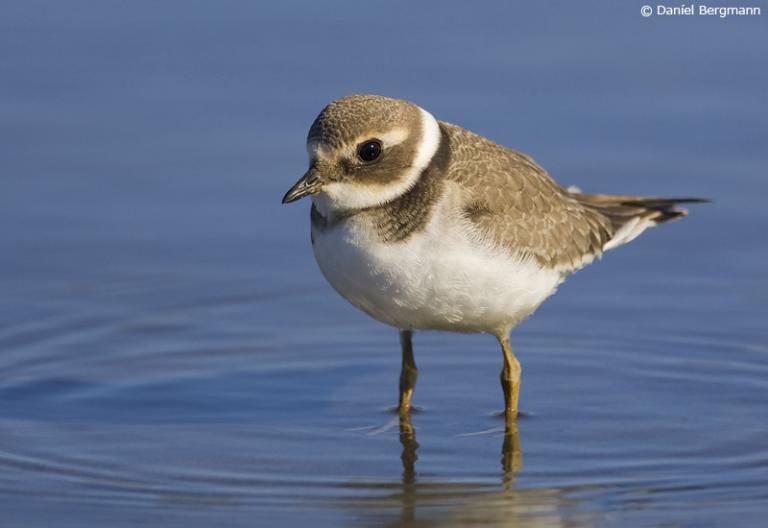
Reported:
(308, 184)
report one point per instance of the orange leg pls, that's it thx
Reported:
(408, 373)
(510, 379)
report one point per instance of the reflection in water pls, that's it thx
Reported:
(409, 458)
(511, 454)
(461, 504)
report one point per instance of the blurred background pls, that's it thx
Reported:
(170, 354)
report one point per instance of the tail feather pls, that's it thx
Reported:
(631, 215)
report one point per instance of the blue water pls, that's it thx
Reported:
(171, 356)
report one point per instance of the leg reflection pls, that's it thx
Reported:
(409, 457)
(511, 453)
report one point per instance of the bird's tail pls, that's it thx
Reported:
(631, 215)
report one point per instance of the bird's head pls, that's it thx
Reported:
(365, 150)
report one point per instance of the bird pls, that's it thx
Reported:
(425, 225)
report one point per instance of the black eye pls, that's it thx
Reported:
(370, 150)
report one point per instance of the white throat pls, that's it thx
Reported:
(338, 196)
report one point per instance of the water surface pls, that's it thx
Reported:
(171, 356)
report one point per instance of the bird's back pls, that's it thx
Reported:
(513, 203)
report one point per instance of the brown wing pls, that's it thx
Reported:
(514, 203)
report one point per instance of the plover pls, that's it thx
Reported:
(424, 225)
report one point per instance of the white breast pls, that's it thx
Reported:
(441, 278)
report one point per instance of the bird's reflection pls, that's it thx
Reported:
(409, 458)
(433, 501)
(511, 454)
(511, 462)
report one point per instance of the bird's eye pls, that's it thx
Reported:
(369, 150)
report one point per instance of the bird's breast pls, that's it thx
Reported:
(440, 278)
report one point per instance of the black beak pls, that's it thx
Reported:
(308, 184)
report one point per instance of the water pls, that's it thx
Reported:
(171, 356)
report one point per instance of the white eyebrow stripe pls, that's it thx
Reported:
(388, 139)
(391, 138)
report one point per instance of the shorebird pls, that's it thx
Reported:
(424, 225)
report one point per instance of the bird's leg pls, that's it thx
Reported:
(510, 379)
(408, 372)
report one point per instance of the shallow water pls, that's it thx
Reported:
(170, 355)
